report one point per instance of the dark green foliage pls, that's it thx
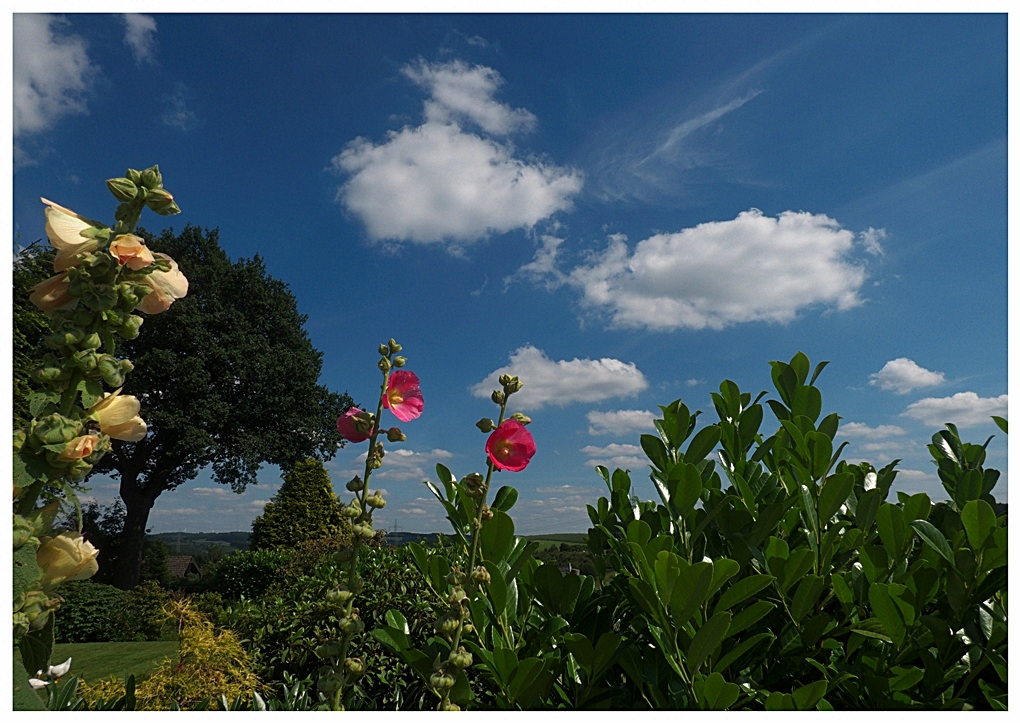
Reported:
(103, 526)
(285, 627)
(227, 378)
(251, 573)
(143, 616)
(304, 508)
(31, 265)
(90, 613)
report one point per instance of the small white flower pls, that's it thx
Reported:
(870, 481)
(37, 684)
(56, 671)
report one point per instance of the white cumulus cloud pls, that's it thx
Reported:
(623, 421)
(563, 382)
(140, 36)
(752, 268)
(624, 456)
(903, 375)
(861, 430)
(440, 183)
(401, 465)
(965, 409)
(52, 72)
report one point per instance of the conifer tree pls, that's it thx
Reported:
(304, 508)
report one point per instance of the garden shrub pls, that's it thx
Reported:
(144, 617)
(304, 508)
(283, 629)
(91, 612)
(250, 573)
(211, 663)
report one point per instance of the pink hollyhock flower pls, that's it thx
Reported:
(511, 446)
(403, 396)
(348, 429)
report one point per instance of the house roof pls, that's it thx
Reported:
(181, 565)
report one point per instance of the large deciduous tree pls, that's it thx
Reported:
(31, 266)
(227, 378)
(304, 508)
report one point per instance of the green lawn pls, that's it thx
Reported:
(95, 661)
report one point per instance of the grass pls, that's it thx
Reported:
(96, 661)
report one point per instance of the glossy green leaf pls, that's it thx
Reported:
(808, 695)
(707, 640)
(887, 612)
(689, 592)
(505, 498)
(979, 521)
(703, 443)
(892, 529)
(750, 615)
(717, 694)
(496, 536)
(496, 588)
(833, 494)
(733, 654)
(743, 589)
(805, 597)
(934, 539)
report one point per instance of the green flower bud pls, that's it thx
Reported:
(123, 189)
(83, 317)
(352, 625)
(399, 361)
(86, 360)
(56, 429)
(99, 297)
(364, 529)
(480, 574)
(497, 397)
(374, 462)
(475, 484)
(461, 659)
(343, 556)
(65, 338)
(152, 178)
(42, 375)
(111, 371)
(393, 434)
(394, 346)
(522, 418)
(441, 681)
(512, 386)
(329, 684)
(456, 596)
(468, 628)
(504, 379)
(384, 364)
(356, 484)
(455, 577)
(161, 202)
(19, 440)
(353, 510)
(328, 650)
(134, 176)
(450, 707)
(486, 425)
(384, 350)
(92, 341)
(447, 625)
(376, 501)
(355, 665)
(129, 329)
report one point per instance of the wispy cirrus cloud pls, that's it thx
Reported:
(176, 112)
(400, 465)
(140, 36)
(563, 382)
(443, 183)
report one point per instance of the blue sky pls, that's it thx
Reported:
(622, 209)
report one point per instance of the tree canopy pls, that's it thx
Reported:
(227, 378)
(31, 265)
(304, 508)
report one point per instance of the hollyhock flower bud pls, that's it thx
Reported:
(504, 379)
(447, 626)
(152, 178)
(486, 425)
(383, 350)
(399, 361)
(55, 429)
(480, 574)
(375, 501)
(497, 397)
(92, 341)
(353, 510)
(129, 329)
(522, 418)
(384, 364)
(456, 596)
(79, 448)
(51, 294)
(394, 347)
(161, 202)
(167, 287)
(355, 665)
(352, 625)
(66, 557)
(356, 484)
(511, 446)
(131, 251)
(64, 229)
(123, 189)
(349, 429)
(461, 659)
(118, 417)
(403, 396)
(395, 435)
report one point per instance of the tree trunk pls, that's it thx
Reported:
(138, 501)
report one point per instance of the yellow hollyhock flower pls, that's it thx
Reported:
(63, 228)
(118, 417)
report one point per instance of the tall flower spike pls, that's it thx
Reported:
(403, 396)
(511, 446)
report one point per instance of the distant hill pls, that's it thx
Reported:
(199, 543)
